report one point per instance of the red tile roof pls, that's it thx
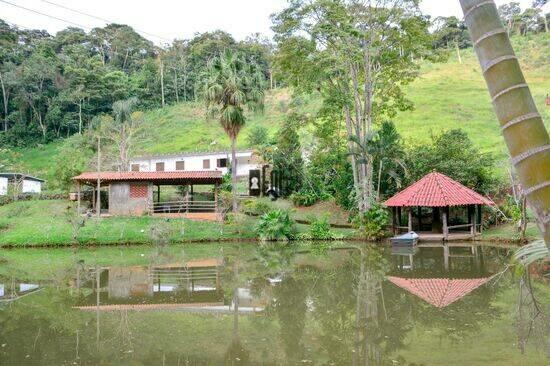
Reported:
(199, 176)
(439, 292)
(437, 190)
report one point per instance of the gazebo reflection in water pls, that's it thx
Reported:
(440, 274)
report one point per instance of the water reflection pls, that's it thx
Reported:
(12, 290)
(275, 305)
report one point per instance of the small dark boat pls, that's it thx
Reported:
(409, 239)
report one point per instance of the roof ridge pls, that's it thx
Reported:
(443, 194)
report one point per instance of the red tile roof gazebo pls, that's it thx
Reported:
(438, 192)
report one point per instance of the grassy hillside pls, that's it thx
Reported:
(453, 95)
(446, 95)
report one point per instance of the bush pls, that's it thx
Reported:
(373, 223)
(320, 229)
(304, 198)
(256, 207)
(276, 225)
(226, 185)
(258, 136)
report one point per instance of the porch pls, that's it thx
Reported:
(139, 193)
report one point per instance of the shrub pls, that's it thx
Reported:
(304, 198)
(320, 229)
(258, 136)
(226, 185)
(373, 223)
(276, 225)
(256, 206)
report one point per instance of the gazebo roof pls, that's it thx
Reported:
(439, 292)
(437, 190)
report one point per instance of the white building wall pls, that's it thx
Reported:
(31, 186)
(195, 163)
(3, 186)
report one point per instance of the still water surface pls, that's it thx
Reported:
(270, 305)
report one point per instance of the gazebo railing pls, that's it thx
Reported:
(183, 206)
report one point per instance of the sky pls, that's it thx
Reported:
(161, 21)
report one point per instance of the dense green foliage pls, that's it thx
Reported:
(372, 224)
(52, 86)
(287, 154)
(453, 153)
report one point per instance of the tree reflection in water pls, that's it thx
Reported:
(274, 304)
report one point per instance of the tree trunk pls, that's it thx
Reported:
(379, 180)
(176, 85)
(80, 117)
(353, 158)
(523, 227)
(234, 173)
(458, 53)
(98, 205)
(5, 102)
(521, 124)
(161, 69)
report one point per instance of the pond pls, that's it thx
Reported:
(273, 304)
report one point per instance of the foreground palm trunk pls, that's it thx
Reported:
(521, 124)
(234, 174)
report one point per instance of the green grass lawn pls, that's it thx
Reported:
(508, 232)
(45, 222)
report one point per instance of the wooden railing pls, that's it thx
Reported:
(183, 206)
(184, 274)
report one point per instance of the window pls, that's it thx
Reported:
(180, 165)
(159, 167)
(138, 191)
(222, 163)
(135, 167)
(206, 164)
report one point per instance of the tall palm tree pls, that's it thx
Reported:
(521, 124)
(232, 83)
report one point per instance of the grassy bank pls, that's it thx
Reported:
(509, 233)
(46, 223)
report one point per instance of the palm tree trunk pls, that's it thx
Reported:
(521, 124)
(234, 173)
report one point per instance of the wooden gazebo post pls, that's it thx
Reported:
(445, 226)
(393, 220)
(410, 223)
